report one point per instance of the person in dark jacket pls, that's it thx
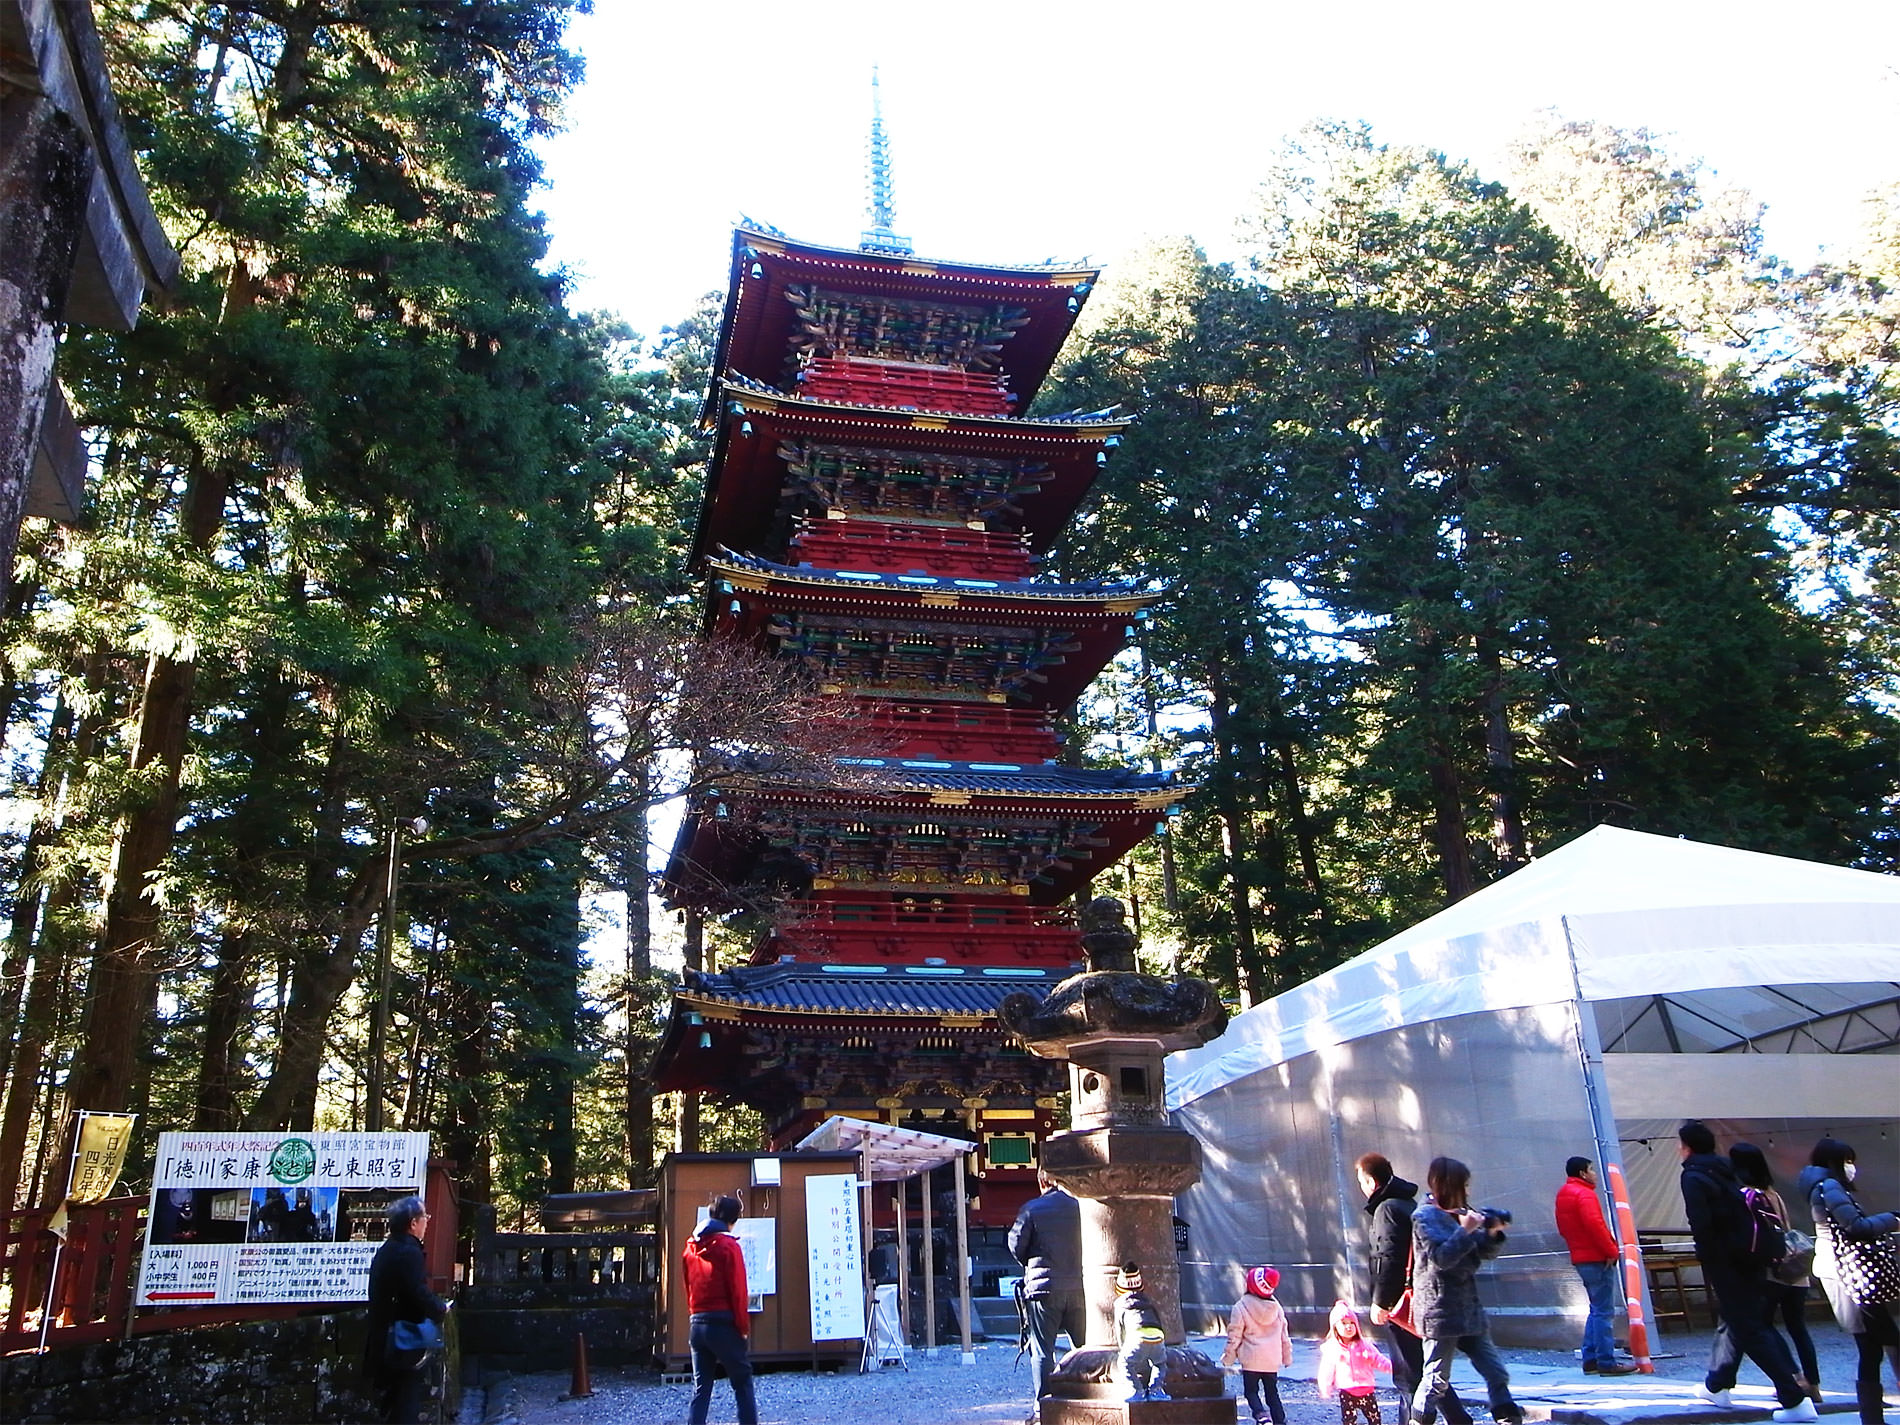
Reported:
(1826, 1182)
(718, 1319)
(1593, 1256)
(1047, 1239)
(1723, 1228)
(1725, 1359)
(1390, 1202)
(1449, 1243)
(399, 1291)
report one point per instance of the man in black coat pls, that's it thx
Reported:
(1722, 1225)
(399, 1291)
(1390, 1201)
(1047, 1239)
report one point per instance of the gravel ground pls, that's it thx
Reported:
(995, 1391)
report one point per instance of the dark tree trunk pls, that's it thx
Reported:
(641, 1154)
(1248, 981)
(123, 984)
(1500, 755)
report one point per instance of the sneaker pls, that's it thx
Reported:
(1802, 1409)
(1714, 1397)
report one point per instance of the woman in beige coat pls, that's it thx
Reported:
(1257, 1339)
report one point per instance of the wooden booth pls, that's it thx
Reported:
(804, 1243)
(806, 1234)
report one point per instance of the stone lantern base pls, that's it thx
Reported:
(1085, 1391)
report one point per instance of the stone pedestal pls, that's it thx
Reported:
(1125, 1162)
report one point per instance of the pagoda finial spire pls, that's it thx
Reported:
(879, 237)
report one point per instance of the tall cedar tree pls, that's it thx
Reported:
(1457, 573)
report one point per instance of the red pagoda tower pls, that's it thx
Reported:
(874, 509)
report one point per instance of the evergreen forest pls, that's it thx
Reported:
(340, 731)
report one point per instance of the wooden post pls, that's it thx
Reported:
(868, 1218)
(903, 1260)
(963, 1263)
(930, 1275)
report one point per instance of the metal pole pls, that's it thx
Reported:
(379, 1021)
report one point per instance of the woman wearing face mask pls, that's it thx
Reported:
(1827, 1181)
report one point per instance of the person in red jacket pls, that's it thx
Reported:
(1593, 1253)
(718, 1323)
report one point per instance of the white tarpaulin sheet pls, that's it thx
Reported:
(1644, 915)
(1583, 1005)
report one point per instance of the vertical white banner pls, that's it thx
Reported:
(835, 1243)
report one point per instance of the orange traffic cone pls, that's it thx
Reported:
(580, 1387)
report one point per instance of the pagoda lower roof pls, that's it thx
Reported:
(759, 323)
(1114, 598)
(1052, 780)
(750, 391)
(926, 992)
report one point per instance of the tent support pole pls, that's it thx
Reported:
(1609, 1148)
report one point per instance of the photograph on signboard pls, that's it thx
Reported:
(292, 1215)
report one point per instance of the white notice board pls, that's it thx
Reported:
(835, 1241)
(758, 1244)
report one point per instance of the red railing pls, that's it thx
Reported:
(912, 930)
(98, 1269)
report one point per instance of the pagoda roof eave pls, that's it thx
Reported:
(926, 591)
(779, 259)
(755, 396)
(769, 240)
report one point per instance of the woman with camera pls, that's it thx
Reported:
(1450, 1241)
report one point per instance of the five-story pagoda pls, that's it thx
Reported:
(874, 510)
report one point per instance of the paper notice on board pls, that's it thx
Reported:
(835, 1242)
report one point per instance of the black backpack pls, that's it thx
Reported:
(1767, 1236)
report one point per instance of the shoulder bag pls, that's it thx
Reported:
(1401, 1313)
(1868, 1267)
(410, 1343)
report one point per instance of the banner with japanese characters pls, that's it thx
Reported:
(835, 1242)
(267, 1217)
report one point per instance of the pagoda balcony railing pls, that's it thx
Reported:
(923, 930)
(905, 385)
(945, 550)
(965, 731)
(927, 910)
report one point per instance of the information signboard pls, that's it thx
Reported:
(267, 1217)
(835, 1242)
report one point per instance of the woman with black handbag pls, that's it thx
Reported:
(1857, 1258)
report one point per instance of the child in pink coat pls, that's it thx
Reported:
(1349, 1367)
(1258, 1339)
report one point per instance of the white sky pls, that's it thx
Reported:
(1035, 129)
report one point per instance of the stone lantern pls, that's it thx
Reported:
(1124, 1162)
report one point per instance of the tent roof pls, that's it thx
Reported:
(894, 1152)
(1612, 915)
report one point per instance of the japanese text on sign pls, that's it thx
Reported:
(272, 1217)
(834, 1240)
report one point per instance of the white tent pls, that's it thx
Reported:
(1581, 1006)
